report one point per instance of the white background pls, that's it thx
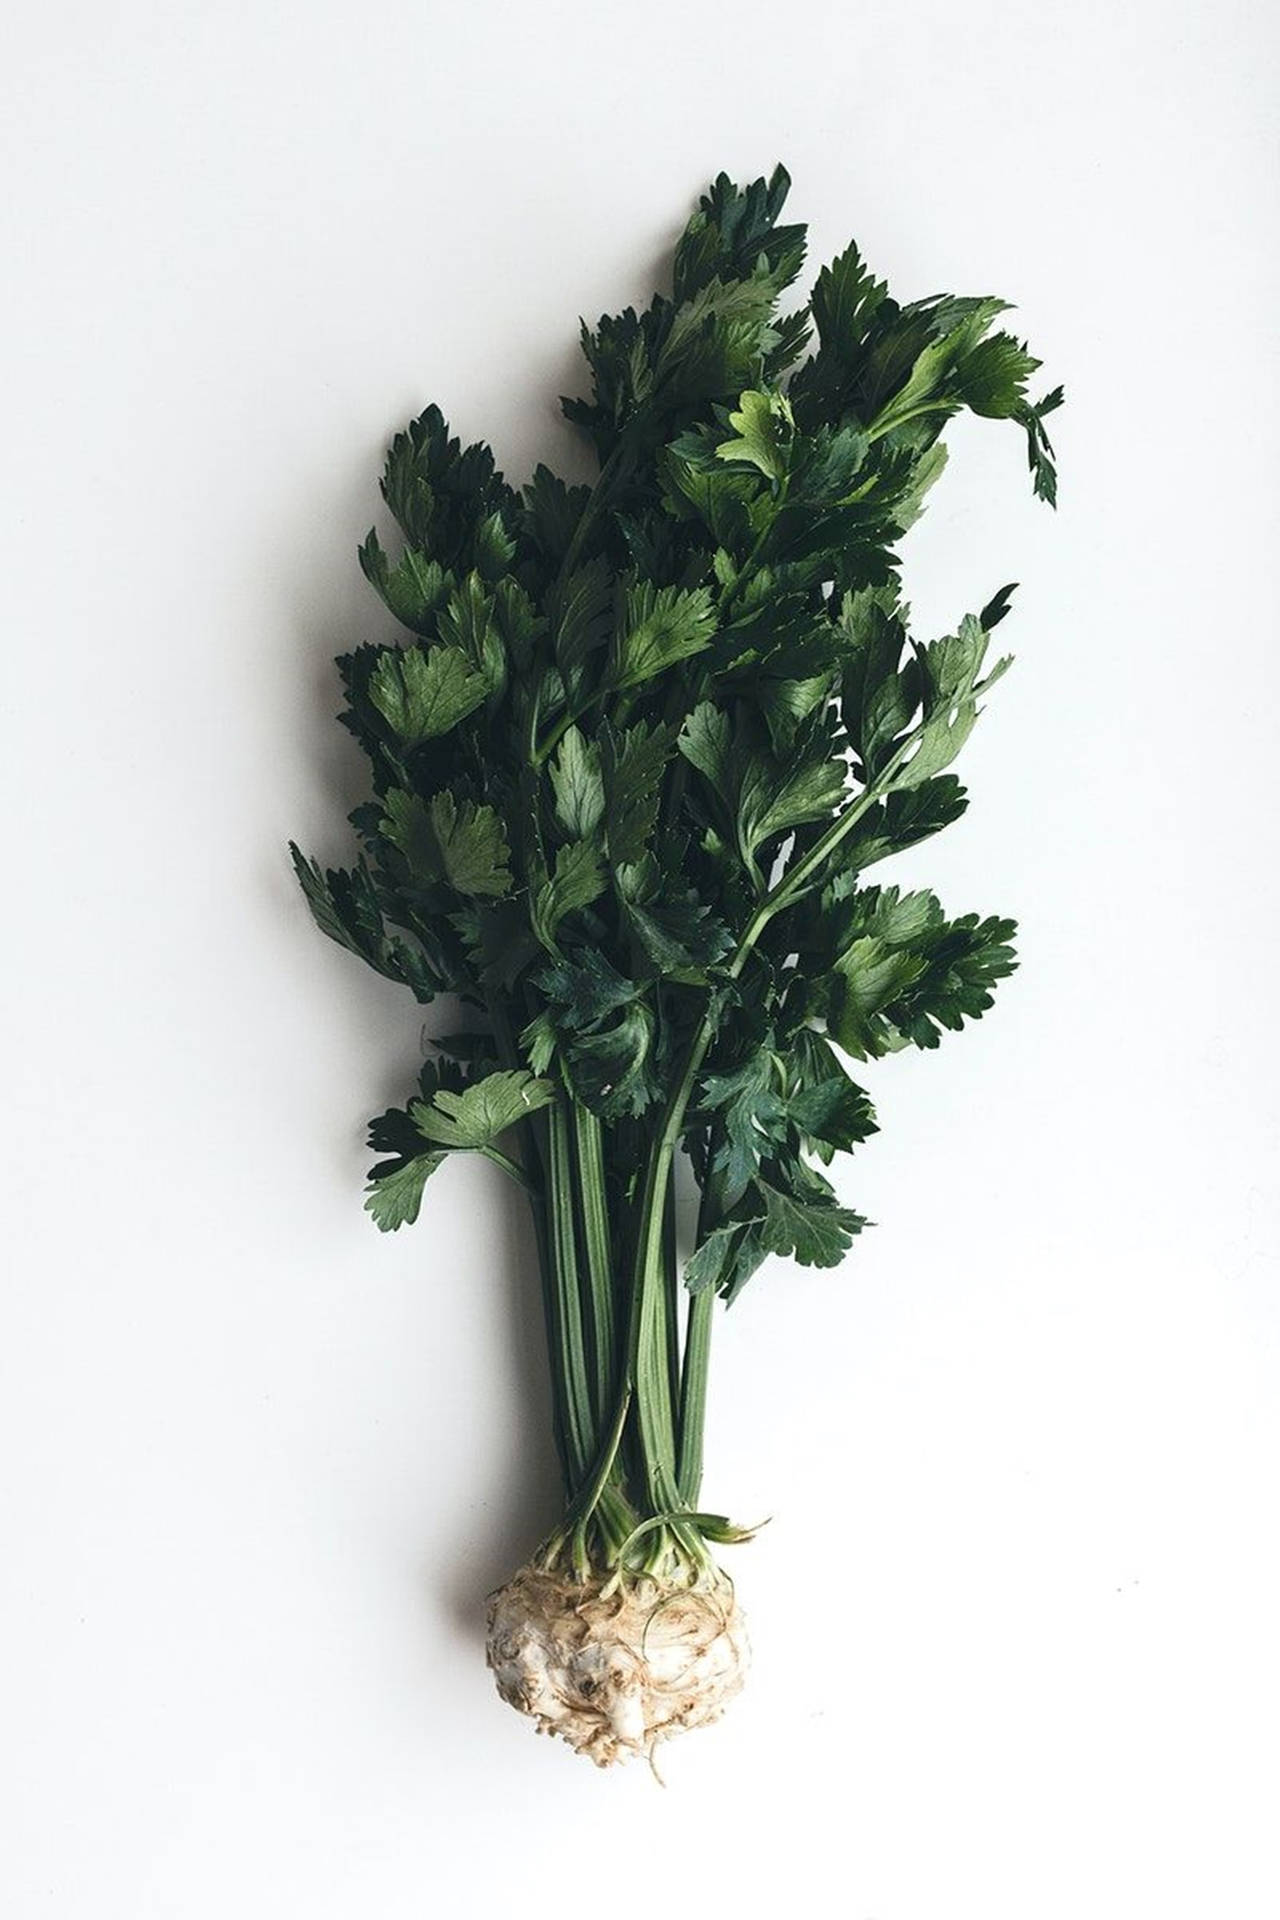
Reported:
(1016, 1614)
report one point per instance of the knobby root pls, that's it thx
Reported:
(615, 1672)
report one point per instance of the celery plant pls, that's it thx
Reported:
(630, 770)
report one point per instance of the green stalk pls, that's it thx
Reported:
(670, 1296)
(541, 751)
(512, 1167)
(594, 1498)
(795, 879)
(594, 1222)
(693, 1395)
(594, 506)
(539, 1203)
(570, 1345)
(647, 1379)
(647, 1343)
(559, 1415)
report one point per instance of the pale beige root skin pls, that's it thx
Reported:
(614, 1675)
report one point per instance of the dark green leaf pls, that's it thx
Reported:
(578, 879)
(344, 905)
(424, 694)
(553, 511)
(585, 988)
(469, 623)
(661, 625)
(902, 970)
(776, 796)
(581, 614)
(905, 816)
(804, 1221)
(609, 1068)
(414, 589)
(440, 493)
(633, 763)
(450, 840)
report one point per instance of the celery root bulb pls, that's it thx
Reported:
(615, 1673)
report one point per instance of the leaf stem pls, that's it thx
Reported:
(595, 503)
(570, 1345)
(646, 1377)
(540, 752)
(535, 1127)
(594, 1220)
(671, 1293)
(590, 1497)
(693, 1394)
(796, 878)
(512, 1167)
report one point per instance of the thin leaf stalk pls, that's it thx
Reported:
(593, 1220)
(594, 506)
(693, 1395)
(536, 1129)
(646, 1387)
(570, 1349)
